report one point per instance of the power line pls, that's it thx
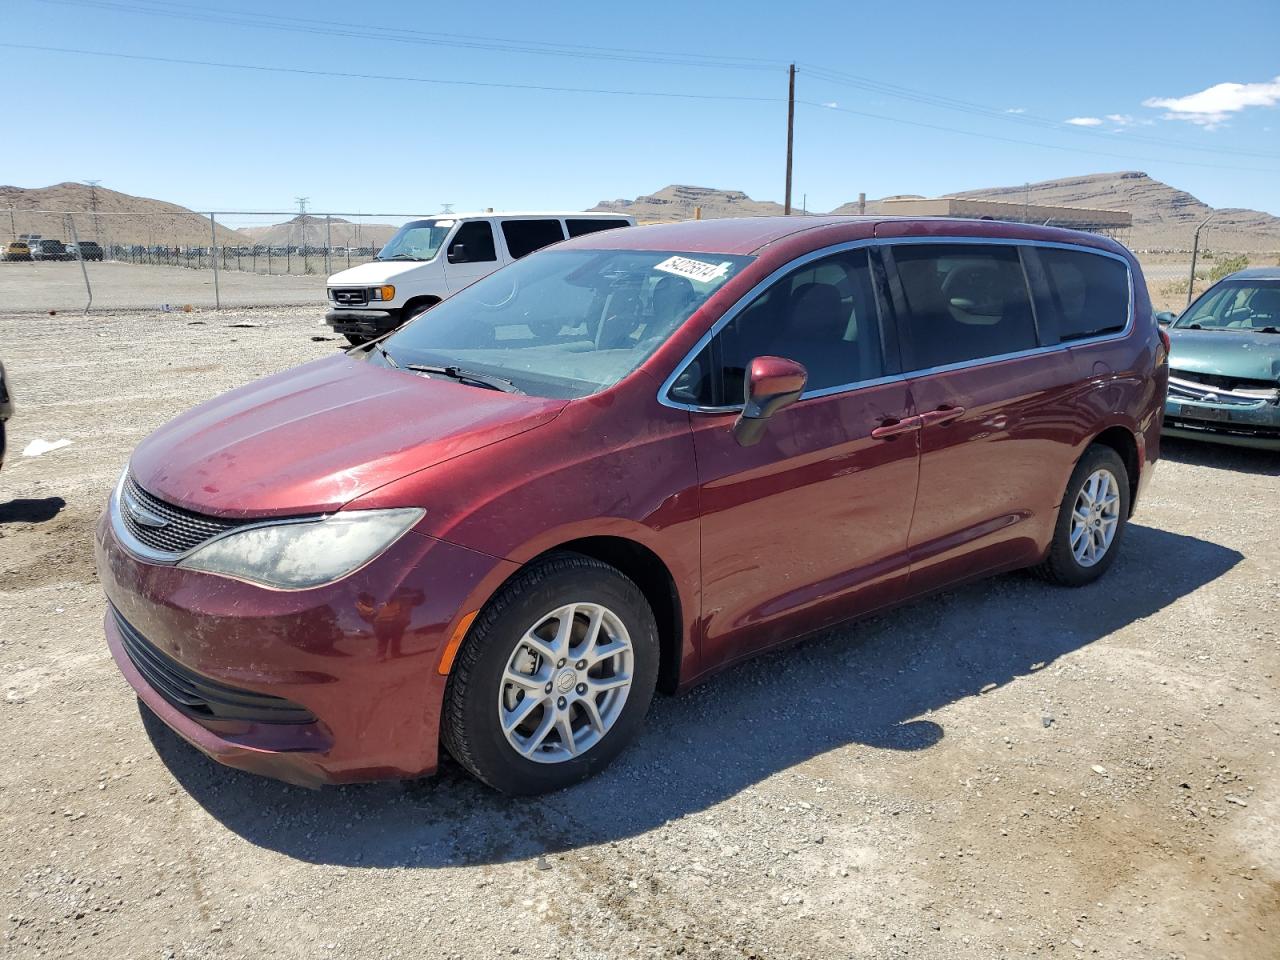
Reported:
(1026, 143)
(348, 30)
(342, 75)
(546, 88)
(996, 113)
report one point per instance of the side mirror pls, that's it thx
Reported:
(458, 253)
(1166, 317)
(773, 384)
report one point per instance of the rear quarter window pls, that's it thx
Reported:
(1088, 293)
(525, 236)
(578, 228)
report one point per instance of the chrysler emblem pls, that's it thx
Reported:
(140, 514)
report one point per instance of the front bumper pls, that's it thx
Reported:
(365, 323)
(360, 655)
(1244, 422)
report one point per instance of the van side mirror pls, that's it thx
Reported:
(1166, 317)
(458, 253)
(773, 384)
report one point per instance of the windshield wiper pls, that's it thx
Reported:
(386, 354)
(467, 376)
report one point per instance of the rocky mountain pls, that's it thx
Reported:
(1164, 217)
(305, 229)
(678, 202)
(121, 218)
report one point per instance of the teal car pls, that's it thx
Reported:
(1224, 363)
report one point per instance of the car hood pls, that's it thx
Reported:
(375, 273)
(313, 438)
(1249, 356)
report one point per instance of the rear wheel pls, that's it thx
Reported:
(554, 678)
(1091, 520)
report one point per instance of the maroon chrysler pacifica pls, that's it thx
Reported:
(619, 464)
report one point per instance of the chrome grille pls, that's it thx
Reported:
(181, 530)
(354, 297)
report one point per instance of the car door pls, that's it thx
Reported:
(996, 434)
(470, 254)
(808, 526)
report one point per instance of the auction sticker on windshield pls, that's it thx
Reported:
(691, 269)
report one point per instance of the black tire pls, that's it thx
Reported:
(470, 727)
(1061, 566)
(357, 339)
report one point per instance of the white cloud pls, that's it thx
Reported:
(1085, 122)
(1213, 105)
(831, 105)
(1016, 110)
(1120, 119)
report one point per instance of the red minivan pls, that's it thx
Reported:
(622, 464)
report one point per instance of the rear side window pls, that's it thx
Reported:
(578, 228)
(823, 315)
(1088, 293)
(476, 239)
(525, 236)
(963, 302)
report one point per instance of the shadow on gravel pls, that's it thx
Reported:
(870, 684)
(1264, 463)
(31, 511)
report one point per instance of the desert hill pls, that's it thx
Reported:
(678, 202)
(305, 229)
(1163, 216)
(122, 218)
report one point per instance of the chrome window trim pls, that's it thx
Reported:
(163, 557)
(748, 297)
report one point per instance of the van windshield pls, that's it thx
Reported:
(417, 240)
(563, 323)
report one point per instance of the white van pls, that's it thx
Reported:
(429, 259)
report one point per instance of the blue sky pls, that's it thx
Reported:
(923, 97)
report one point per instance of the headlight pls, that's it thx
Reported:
(297, 555)
(385, 292)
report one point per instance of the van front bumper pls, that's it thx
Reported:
(364, 323)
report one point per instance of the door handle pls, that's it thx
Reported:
(941, 415)
(892, 428)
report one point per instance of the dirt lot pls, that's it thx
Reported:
(41, 287)
(1007, 770)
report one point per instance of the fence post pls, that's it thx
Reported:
(328, 266)
(75, 239)
(213, 234)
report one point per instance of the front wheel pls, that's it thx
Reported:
(554, 678)
(1091, 520)
(357, 339)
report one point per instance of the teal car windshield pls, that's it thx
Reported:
(1244, 305)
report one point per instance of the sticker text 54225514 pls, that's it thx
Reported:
(691, 269)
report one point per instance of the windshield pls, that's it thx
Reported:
(564, 323)
(417, 240)
(1239, 305)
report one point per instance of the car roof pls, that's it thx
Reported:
(1255, 273)
(748, 235)
(505, 214)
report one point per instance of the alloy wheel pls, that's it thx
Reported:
(565, 683)
(1095, 517)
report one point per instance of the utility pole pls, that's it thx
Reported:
(1195, 253)
(791, 131)
(302, 221)
(93, 205)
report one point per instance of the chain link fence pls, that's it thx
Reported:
(59, 261)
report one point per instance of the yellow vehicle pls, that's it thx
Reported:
(18, 250)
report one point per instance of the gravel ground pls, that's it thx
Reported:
(1006, 770)
(41, 287)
